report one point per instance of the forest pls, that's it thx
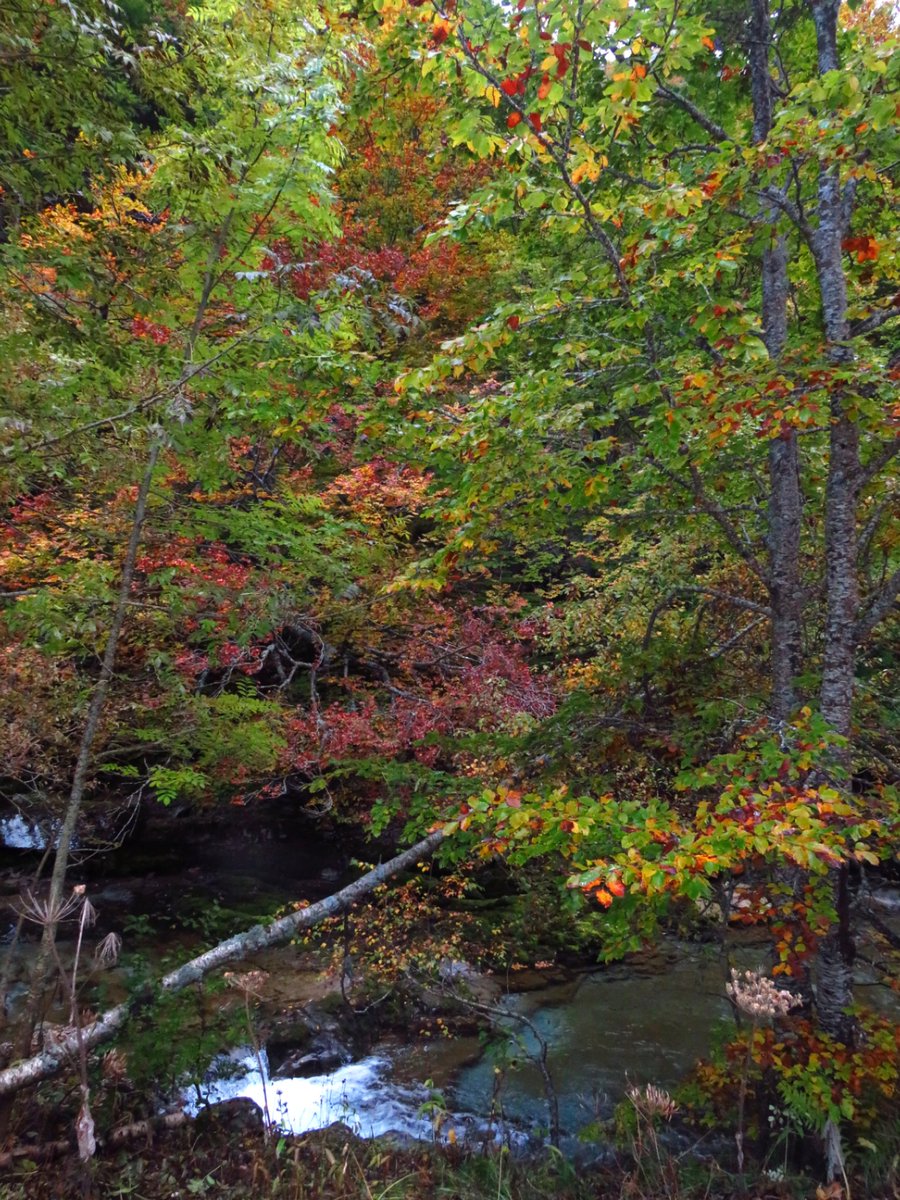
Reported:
(449, 595)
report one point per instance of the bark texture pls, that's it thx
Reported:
(834, 961)
(785, 498)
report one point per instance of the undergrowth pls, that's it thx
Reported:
(335, 1165)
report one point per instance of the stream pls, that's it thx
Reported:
(646, 1021)
(604, 1031)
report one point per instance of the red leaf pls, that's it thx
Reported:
(514, 322)
(535, 120)
(513, 120)
(510, 86)
(544, 89)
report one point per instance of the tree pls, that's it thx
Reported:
(142, 286)
(716, 291)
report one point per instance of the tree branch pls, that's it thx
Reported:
(874, 321)
(881, 605)
(698, 115)
(43, 1066)
(780, 200)
(558, 156)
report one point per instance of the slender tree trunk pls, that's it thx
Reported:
(82, 766)
(44, 964)
(785, 498)
(785, 595)
(842, 487)
(834, 961)
(785, 507)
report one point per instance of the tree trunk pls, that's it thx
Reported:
(834, 961)
(42, 1066)
(785, 499)
(42, 966)
(785, 506)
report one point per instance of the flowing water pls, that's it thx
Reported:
(645, 1022)
(603, 1031)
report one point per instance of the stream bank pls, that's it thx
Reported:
(433, 1070)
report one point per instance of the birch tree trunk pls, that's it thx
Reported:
(52, 1061)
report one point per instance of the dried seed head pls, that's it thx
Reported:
(758, 996)
(652, 1101)
(107, 953)
(45, 912)
(115, 1066)
(251, 983)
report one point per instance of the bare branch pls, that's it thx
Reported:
(878, 462)
(874, 321)
(705, 122)
(780, 200)
(881, 606)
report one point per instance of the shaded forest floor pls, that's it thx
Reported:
(205, 1159)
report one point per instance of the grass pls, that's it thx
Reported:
(230, 1164)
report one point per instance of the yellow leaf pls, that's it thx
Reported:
(493, 94)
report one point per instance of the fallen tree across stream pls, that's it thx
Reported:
(51, 1061)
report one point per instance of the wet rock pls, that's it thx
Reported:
(398, 1140)
(887, 900)
(338, 1131)
(115, 894)
(322, 1054)
(536, 979)
(238, 1116)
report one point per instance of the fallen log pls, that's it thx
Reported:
(51, 1061)
(46, 1151)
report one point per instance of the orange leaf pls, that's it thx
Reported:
(513, 120)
